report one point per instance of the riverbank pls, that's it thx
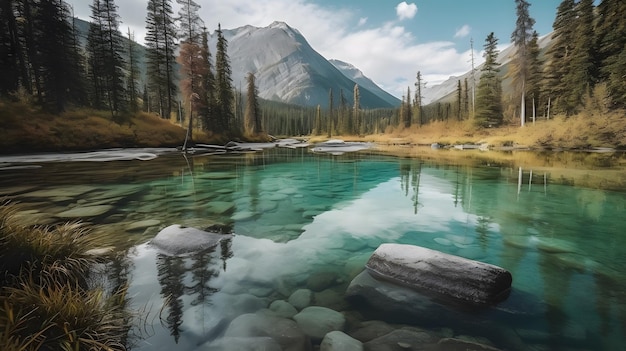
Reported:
(27, 129)
(581, 132)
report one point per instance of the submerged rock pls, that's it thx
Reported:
(283, 331)
(339, 341)
(85, 211)
(436, 273)
(176, 240)
(317, 321)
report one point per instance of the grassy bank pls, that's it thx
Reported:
(48, 298)
(28, 129)
(583, 131)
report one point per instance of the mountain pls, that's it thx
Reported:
(358, 77)
(445, 91)
(288, 69)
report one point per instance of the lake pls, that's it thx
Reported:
(306, 223)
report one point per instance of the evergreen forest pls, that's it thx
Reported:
(45, 62)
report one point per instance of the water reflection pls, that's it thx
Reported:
(297, 214)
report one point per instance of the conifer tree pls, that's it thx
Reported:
(408, 109)
(465, 98)
(535, 73)
(318, 120)
(57, 57)
(329, 127)
(252, 116)
(610, 38)
(12, 67)
(160, 56)
(559, 55)
(418, 98)
(224, 97)
(105, 61)
(356, 112)
(208, 82)
(521, 37)
(132, 78)
(192, 66)
(489, 94)
(579, 75)
(459, 99)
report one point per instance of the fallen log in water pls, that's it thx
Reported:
(443, 275)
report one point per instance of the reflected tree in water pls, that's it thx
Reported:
(171, 271)
(482, 229)
(410, 174)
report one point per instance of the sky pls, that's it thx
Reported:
(389, 40)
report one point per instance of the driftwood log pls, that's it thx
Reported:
(441, 275)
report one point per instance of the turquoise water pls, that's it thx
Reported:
(306, 220)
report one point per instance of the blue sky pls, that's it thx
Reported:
(389, 40)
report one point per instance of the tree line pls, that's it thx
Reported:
(41, 57)
(585, 64)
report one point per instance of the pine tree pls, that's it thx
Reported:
(9, 49)
(610, 46)
(192, 67)
(208, 82)
(318, 120)
(357, 124)
(489, 94)
(535, 73)
(329, 127)
(160, 56)
(521, 37)
(132, 78)
(465, 97)
(57, 57)
(105, 61)
(559, 55)
(418, 98)
(408, 114)
(459, 99)
(579, 75)
(253, 112)
(223, 85)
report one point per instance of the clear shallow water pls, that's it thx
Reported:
(306, 220)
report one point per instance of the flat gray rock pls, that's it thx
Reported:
(436, 273)
(176, 240)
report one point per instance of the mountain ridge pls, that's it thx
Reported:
(288, 69)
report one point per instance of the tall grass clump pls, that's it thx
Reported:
(48, 300)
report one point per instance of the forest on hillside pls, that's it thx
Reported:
(43, 60)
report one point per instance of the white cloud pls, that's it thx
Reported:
(406, 11)
(362, 21)
(389, 54)
(463, 31)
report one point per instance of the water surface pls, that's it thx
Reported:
(307, 220)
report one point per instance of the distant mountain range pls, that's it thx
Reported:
(288, 69)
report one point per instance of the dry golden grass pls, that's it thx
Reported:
(586, 130)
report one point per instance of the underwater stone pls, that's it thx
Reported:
(85, 211)
(436, 273)
(317, 321)
(339, 341)
(283, 308)
(284, 331)
(301, 298)
(176, 240)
